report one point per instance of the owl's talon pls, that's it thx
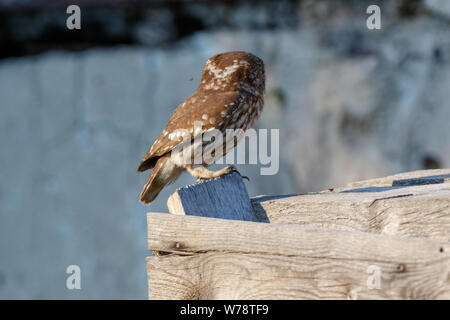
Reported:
(233, 169)
(230, 169)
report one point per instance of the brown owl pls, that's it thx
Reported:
(230, 96)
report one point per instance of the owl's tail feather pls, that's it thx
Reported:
(163, 173)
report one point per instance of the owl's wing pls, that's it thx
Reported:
(212, 110)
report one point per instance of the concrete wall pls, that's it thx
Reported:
(350, 103)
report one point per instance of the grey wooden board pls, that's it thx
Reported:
(225, 197)
(418, 177)
(412, 211)
(415, 207)
(225, 259)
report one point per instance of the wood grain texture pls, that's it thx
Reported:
(190, 234)
(413, 211)
(317, 246)
(227, 259)
(413, 178)
(217, 275)
(225, 197)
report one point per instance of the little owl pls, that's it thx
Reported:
(230, 96)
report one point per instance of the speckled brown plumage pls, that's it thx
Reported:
(230, 96)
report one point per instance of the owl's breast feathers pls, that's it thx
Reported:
(230, 96)
(238, 109)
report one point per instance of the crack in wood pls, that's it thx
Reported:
(392, 197)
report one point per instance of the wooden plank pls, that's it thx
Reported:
(227, 259)
(225, 197)
(302, 254)
(219, 275)
(420, 176)
(190, 234)
(412, 211)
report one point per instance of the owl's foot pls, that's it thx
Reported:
(233, 169)
(202, 173)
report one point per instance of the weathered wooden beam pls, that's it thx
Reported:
(317, 246)
(259, 276)
(247, 260)
(225, 197)
(406, 178)
(413, 211)
(190, 234)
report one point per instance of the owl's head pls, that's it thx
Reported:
(232, 70)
